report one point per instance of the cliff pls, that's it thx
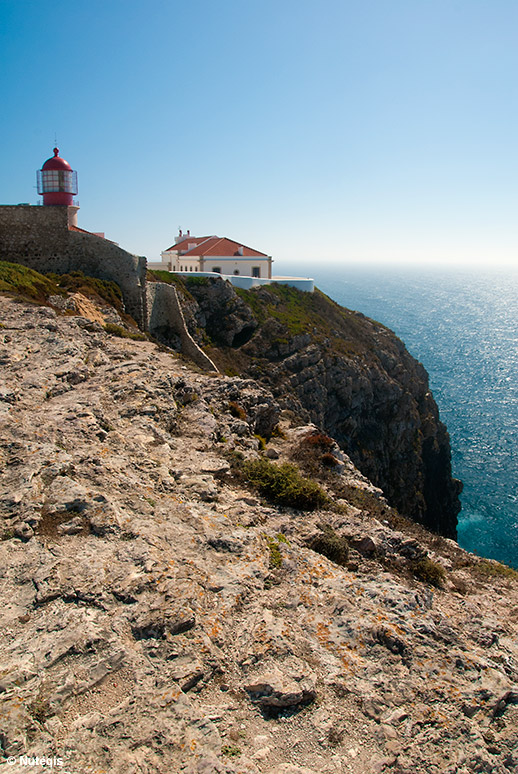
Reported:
(346, 373)
(176, 598)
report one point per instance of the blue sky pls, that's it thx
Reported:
(316, 131)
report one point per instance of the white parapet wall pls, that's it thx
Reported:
(302, 283)
(307, 284)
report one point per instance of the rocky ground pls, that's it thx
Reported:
(159, 616)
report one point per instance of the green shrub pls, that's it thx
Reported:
(160, 275)
(330, 544)
(118, 330)
(20, 280)
(77, 282)
(275, 553)
(428, 571)
(493, 569)
(262, 441)
(169, 278)
(230, 750)
(283, 485)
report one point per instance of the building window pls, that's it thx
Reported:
(256, 271)
(217, 269)
(236, 271)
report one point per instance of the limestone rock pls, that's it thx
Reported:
(158, 614)
(278, 689)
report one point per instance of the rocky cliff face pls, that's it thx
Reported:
(158, 615)
(349, 375)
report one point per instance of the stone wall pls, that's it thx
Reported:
(165, 320)
(29, 233)
(101, 258)
(39, 237)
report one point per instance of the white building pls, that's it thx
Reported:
(209, 256)
(214, 254)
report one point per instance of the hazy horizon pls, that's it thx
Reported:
(314, 131)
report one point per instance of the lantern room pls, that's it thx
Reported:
(57, 181)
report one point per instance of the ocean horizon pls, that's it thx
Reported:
(462, 325)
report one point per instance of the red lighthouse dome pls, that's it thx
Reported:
(57, 181)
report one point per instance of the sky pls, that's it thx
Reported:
(317, 131)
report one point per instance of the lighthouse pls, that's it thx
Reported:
(57, 182)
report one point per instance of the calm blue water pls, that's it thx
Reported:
(463, 327)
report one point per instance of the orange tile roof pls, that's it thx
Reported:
(90, 233)
(81, 230)
(213, 246)
(183, 244)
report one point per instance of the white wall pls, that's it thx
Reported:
(241, 281)
(186, 264)
(230, 264)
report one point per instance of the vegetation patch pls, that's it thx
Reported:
(159, 275)
(21, 281)
(488, 568)
(49, 524)
(122, 333)
(275, 560)
(231, 751)
(369, 501)
(261, 440)
(284, 485)
(313, 313)
(237, 410)
(169, 278)
(196, 280)
(330, 544)
(40, 709)
(428, 571)
(77, 282)
(314, 451)
(318, 440)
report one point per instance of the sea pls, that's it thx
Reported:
(463, 326)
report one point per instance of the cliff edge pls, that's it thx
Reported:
(349, 375)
